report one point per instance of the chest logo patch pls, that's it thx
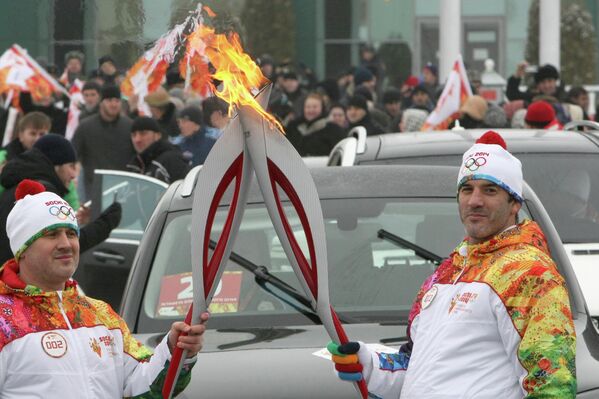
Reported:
(460, 303)
(95, 345)
(428, 298)
(54, 344)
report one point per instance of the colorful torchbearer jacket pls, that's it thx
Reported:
(66, 345)
(493, 321)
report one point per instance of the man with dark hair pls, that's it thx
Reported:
(358, 115)
(103, 140)
(494, 319)
(155, 156)
(545, 80)
(216, 116)
(193, 140)
(91, 92)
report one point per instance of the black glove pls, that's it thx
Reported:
(112, 215)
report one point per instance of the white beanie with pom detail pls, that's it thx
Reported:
(488, 159)
(36, 212)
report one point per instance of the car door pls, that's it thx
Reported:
(103, 269)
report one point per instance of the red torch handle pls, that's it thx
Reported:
(173, 368)
(343, 339)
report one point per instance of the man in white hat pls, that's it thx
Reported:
(57, 343)
(494, 320)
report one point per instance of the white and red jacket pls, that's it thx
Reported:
(65, 345)
(492, 322)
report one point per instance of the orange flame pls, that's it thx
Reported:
(236, 70)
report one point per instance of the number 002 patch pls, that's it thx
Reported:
(54, 344)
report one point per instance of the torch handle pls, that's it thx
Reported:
(174, 367)
(337, 333)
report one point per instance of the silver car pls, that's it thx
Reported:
(387, 228)
(560, 166)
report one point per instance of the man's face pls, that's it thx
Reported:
(142, 139)
(547, 86)
(393, 108)
(51, 259)
(187, 127)
(337, 116)
(290, 85)
(30, 135)
(485, 209)
(67, 172)
(91, 98)
(355, 114)
(108, 68)
(420, 98)
(74, 65)
(428, 76)
(110, 108)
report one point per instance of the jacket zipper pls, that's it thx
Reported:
(75, 343)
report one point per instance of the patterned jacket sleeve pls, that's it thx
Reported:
(145, 372)
(547, 346)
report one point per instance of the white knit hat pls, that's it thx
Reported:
(36, 212)
(488, 159)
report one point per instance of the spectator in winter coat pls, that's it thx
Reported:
(156, 157)
(337, 116)
(51, 162)
(421, 98)
(164, 111)
(541, 115)
(545, 79)
(472, 112)
(313, 134)
(29, 129)
(91, 92)
(103, 141)
(216, 116)
(358, 115)
(193, 141)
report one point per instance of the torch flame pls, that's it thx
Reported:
(236, 70)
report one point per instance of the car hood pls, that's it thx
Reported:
(288, 363)
(585, 260)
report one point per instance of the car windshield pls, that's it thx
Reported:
(567, 185)
(371, 279)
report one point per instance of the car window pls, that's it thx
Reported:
(138, 196)
(567, 184)
(370, 279)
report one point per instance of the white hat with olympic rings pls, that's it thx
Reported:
(36, 212)
(488, 159)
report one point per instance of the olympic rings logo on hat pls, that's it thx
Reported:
(472, 164)
(62, 212)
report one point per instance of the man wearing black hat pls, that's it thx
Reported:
(545, 78)
(103, 140)
(53, 163)
(155, 157)
(358, 115)
(193, 140)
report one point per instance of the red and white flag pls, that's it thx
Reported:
(456, 91)
(74, 108)
(20, 72)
